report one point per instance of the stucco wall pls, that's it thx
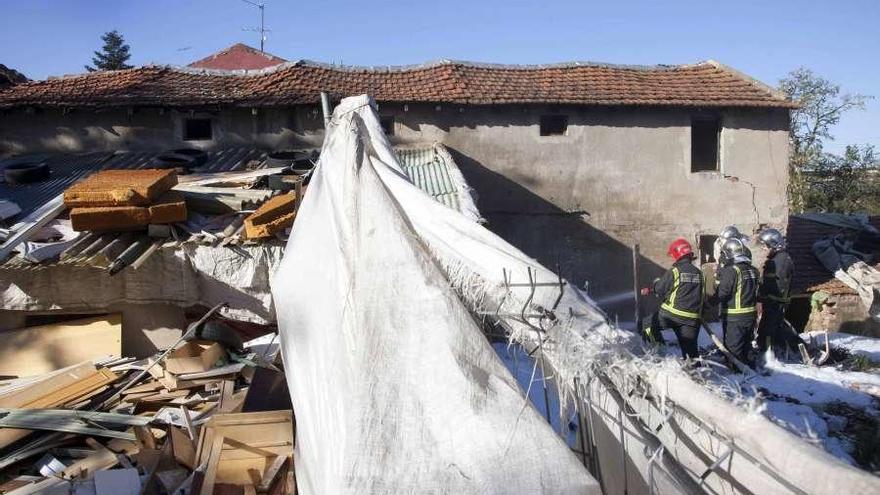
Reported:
(619, 176)
(154, 129)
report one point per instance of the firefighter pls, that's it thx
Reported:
(681, 290)
(736, 293)
(730, 232)
(774, 294)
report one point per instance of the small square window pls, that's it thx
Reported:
(707, 248)
(387, 124)
(704, 144)
(554, 125)
(197, 130)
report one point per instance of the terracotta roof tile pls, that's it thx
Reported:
(238, 57)
(704, 84)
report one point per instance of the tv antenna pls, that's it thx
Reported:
(262, 29)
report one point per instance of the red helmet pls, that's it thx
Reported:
(680, 248)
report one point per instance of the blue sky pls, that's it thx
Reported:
(839, 40)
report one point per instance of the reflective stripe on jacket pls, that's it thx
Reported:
(737, 291)
(681, 290)
(776, 278)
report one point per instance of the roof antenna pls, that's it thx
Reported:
(262, 30)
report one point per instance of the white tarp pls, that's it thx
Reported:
(395, 388)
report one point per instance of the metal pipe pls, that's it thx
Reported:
(637, 289)
(325, 107)
(149, 252)
(130, 254)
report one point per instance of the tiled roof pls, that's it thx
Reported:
(238, 57)
(706, 84)
(809, 274)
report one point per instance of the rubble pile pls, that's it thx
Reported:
(209, 415)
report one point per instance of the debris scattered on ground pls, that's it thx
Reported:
(832, 406)
(200, 418)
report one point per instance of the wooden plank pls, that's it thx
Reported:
(183, 447)
(67, 414)
(213, 460)
(188, 422)
(251, 441)
(145, 387)
(145, 437)
(50, 383)
(46, 348)
(227, 388)
(102, 459)
(33, 395)
(73, 392)
(271, 473)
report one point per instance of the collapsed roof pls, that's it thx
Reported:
(705, 84)
(802, 232)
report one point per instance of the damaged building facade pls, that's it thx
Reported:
(572, 163)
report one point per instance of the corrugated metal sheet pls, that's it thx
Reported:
(425, 168)
(430, 173)
(68, 168)
(65, 170)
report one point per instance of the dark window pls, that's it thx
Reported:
(707, 248)
(197, 130)
(387, 125)
(704, 145)
(554, 125)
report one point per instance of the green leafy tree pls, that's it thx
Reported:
(845, 183)
(113, 55)
(821, 107)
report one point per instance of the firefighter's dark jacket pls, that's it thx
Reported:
(776, 278)
(681, 291)
(737, 291)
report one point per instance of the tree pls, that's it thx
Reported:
(844, 184)
(113, 55)
(821, 106)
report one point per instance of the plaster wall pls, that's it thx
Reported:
(618, 176)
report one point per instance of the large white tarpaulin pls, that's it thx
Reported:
(395, 388)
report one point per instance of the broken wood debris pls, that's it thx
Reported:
(152, 426)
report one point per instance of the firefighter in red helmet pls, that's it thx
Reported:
(681, 291)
